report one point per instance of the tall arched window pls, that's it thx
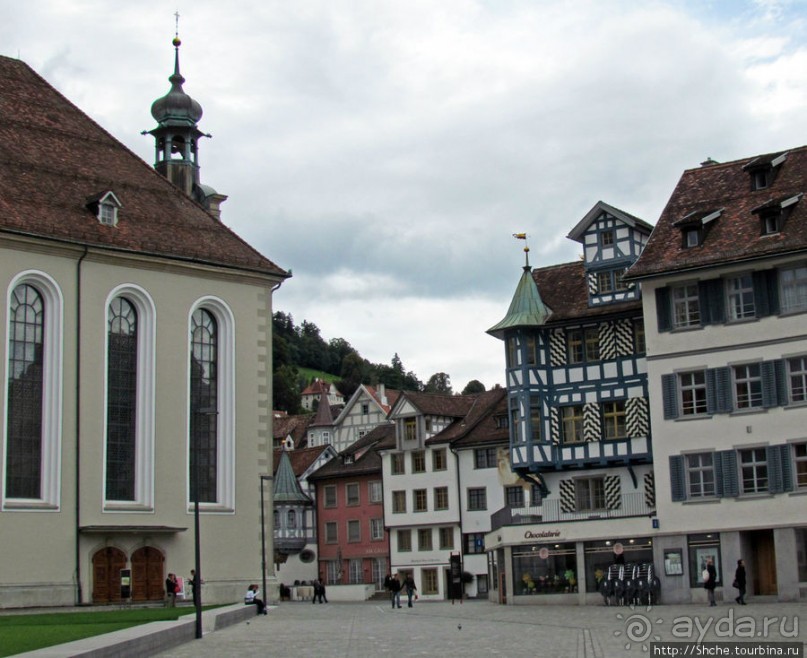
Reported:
(121, 418)
(25, 393)
(204, 407)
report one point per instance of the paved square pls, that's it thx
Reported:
(480, 628)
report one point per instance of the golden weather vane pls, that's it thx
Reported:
(523, 236)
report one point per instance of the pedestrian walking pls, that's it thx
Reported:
(710, 581)
(395, 589)
(409, 585)
(739, 581)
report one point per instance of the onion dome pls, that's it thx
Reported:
(176, 107)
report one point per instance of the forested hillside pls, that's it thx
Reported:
(302, 346)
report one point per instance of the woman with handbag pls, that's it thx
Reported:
(739, 581)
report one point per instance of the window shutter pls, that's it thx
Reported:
(723, 398)
(731, 484)
(663, 310)
(711, 391)
(669, 394)
(762, 301)
(770, 397)
(772, 280)
(717, 463)
(780, 469)
(712, 301)
(678, 478)
(780, 368)
(775, 479)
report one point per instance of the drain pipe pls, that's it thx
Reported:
(79, 596)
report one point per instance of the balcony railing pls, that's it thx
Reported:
(631, 504)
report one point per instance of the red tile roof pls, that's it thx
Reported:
(53, 158)
(564, 291)
(736, 234)
(300, 459)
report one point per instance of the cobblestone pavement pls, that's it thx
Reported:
(480, 628)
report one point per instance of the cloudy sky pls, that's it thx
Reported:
(386, 150)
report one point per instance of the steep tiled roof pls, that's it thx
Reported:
(736, 234)
(565, 291)
(432, 404)
(365, 458)
(316, 387)
(323, 417)
(482, 407)
(391, 394)
(54, 158)
(294, 426)
(300, 459)
(485, 431)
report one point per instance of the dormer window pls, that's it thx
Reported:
(772, 214)
(692, 237)
(763, 170)
(105, 206)
(695, 226)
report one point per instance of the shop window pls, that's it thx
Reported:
(702, 548)
(545, 569)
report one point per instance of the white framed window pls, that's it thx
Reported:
(398, 464)
(355, 572)
(352, 495)
(440, 498)
(753, 470)
(404, 538)
(142, 427)
(692, 389)
(334, 572)
(613, 415)
(797, 378)
(605, 283)
(376, 529)
(446, 539)
(589, 494)
(429, 582)
(353, 531)
(740, 297)
(425, 539)
(419, 500)
(700, 475)
(34, 338)
(572, 423)
(793, 284)
(375, 491)
(211, 413)
(748, 386)
(399, 502)
(800, 460)
(686, 306)
(419, 461)
(329, 497)
(439, 459)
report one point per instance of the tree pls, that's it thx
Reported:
(352, 373)
(473, 386)
(285, 390)
(439, 382)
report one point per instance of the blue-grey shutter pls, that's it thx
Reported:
(717, 464)
(762, 300)
(712, 301)
(772, 281)
(663, 309)
(729, 475)
(780, 369)
(780, 473)
(720, 380)
(711, 391)
(770, 396)
(669, 394)
(678, 478)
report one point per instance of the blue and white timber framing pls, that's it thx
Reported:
(576, 368)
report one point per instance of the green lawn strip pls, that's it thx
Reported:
(20, 633)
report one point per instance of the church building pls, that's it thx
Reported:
(136, 357)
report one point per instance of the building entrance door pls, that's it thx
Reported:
(148, 579)
(763, 564)
(106, 566)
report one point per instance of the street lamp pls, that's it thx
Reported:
(197, 544)
(263, 536)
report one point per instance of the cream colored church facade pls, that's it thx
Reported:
(136, 354)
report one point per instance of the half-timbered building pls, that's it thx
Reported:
(579, 416)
